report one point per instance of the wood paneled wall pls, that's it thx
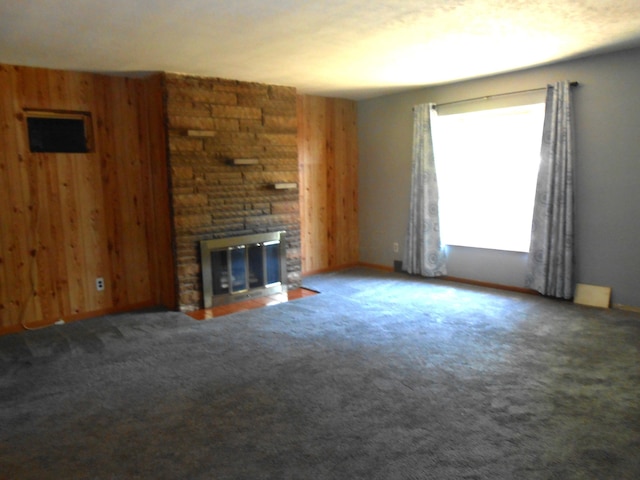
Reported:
(67, 219)
(328, 163)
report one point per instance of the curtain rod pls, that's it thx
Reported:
(486, 97)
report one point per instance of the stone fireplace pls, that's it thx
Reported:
(233, 161)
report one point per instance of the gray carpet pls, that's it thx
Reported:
(381, 376)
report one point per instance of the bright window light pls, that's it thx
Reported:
(487, 165)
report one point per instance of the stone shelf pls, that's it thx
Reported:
(285, 186)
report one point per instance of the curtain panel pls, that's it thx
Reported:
(423, 253)
(551, 261)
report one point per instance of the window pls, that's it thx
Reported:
(487, 164)
(59, 132)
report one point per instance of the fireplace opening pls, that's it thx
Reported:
(242, 267)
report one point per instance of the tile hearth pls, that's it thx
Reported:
(221, 310)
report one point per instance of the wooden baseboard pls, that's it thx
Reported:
(348, 265)
(376, 266)
(5, 330)
(626, 308)
(329, 269)
(497, 286)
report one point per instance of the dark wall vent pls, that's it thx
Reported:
(59, 132)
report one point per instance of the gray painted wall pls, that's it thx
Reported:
(607, 119)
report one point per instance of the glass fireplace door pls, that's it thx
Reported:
(242, 267)
(238, 267)
(256, 265)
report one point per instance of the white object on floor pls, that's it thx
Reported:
(592, 295)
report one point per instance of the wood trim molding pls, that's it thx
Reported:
(468, 281)
(497, 286)
(331, 269)
(376, 266)
(74, 318)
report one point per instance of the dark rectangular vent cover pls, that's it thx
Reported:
(63, 133)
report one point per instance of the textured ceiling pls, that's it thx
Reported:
(345, 48)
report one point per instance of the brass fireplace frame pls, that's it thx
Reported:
(228, 244)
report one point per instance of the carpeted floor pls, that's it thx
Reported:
(381, 376)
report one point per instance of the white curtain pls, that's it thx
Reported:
(550, 266)
(423, 253)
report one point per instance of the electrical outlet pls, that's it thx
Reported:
(396, 247)
(100, 284)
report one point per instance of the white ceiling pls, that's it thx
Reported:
(344, 48)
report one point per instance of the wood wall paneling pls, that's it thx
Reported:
(346, 179)
(159, 226)
(313, 181)
(328, 163)
(70, 218)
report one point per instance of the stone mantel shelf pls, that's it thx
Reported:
(201, 133)
(285, 186)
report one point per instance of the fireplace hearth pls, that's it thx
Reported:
(237, 268)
